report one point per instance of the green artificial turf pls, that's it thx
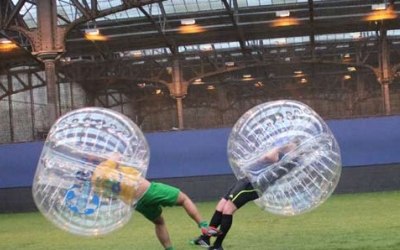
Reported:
(353, 221)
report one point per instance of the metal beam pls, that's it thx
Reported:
(235, 20)
(312, 32)
(163, 15)
(3, 88)
(170, 45)
(93, 3)
(14, 13)
(127, 4)
(64, 19)
(85, 12)
(10, 107)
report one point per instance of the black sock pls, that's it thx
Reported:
(216, 219)
(226, 223)
(215, 222)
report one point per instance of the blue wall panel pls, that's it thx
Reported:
(367, 141)
(18, 163)
(188, 153)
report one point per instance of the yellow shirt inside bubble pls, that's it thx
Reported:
(113, 180)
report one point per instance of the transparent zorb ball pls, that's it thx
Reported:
(305, 175)
(63, 185)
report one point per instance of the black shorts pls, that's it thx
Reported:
(241, 192)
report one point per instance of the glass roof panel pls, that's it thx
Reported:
(192, 6)
(144, 52)
(204, 5)
(169, 8)
(133, 13)
(180, 6)
(249, 3)
(216, 4)
(106, 4)
(230, 45)
(281, 41)
(152, 9)
(28, 13)
(236, 45)
(207, 46)
(242, 3)
(253, 3)
(67, 11)
(393, 32)
(344, 36)
(130, 13)
(184, 6)
(265, 2)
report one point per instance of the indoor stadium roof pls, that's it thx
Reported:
(140, 39)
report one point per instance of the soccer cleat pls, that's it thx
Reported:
(201, 241)
(213, 231)
(204, 231)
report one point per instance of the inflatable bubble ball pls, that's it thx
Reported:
(288, 153)
(78, 142)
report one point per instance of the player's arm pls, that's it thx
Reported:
(271, 155)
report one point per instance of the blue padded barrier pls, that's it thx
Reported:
(363, 142)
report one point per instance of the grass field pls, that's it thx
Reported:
(353, 221)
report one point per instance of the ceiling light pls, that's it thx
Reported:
(158, 91)
(285, 21)
(92, 32)
(282, 13)
(206, 47)
(7, 45)
(210, 87)
(303, 80)
(351, 69)
(229, 64)
(189, 26)
(188, 21)
(278, 41)
(380, 6)
(258, 84)
(5, 41)
(298, 73)
(381, 13)
(347, 77)
(141, 85)
(247, 77)
(355, 35)
(65, 59)
(137, 62)
(190, 29)
(198, 81)
(136, 53)
(94, 35)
